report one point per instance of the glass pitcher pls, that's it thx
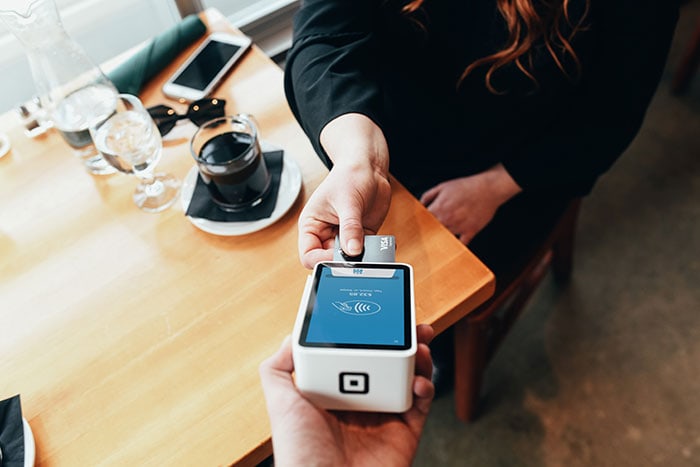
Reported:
(72, 89)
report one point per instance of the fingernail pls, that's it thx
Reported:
(354, 247)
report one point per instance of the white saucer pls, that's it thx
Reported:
(29, 447)
(290, 186)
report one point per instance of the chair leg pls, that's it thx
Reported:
(471, 340)
(689, 64)
(563, 247)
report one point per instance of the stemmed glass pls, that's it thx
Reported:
(130, 141)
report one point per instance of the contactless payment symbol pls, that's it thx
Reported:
(358, 307)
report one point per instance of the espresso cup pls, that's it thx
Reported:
(231, 163)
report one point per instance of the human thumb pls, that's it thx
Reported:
(351, 236)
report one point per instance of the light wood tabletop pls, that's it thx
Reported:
(135, 338)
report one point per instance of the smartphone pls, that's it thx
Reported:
(354, 341)
(203, 70)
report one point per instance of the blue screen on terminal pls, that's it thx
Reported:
(359, 307)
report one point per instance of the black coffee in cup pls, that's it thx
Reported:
(231, 163)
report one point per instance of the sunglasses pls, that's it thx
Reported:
(199, 112)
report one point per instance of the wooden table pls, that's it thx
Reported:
(134, 338)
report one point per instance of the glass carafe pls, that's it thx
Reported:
(72, 89)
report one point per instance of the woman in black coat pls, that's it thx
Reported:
(494, 113)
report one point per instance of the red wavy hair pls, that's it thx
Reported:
(526, 26)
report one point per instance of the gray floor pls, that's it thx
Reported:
(605, 371)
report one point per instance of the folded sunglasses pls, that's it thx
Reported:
(199, 112)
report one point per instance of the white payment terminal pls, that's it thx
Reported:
(354, 340)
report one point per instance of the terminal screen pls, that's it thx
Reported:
(359, 306)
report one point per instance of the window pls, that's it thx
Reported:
(103, 28)
(106, 28)
(268, 22)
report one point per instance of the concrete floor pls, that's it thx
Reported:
(605, 371)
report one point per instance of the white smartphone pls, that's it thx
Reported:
(203, 70)
(354, 339)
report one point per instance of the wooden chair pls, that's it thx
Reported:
(478, 335)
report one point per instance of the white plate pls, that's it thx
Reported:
(290, 185)
(29, 447)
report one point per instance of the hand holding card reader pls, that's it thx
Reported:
(354, 340)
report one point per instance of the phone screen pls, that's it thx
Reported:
(359, 306)
(206, 65)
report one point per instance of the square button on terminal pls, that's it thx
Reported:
(354, 383)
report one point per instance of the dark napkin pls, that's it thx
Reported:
(11, 433)
(132, 75)
(203, 207)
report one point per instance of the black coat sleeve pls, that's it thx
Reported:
(332, 70)
(619, 80)
(331, 66)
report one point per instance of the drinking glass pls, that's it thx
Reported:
(231, 163)
(4, 144)
(130, 141)
(72, 91)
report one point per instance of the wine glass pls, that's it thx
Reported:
(130, 141)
